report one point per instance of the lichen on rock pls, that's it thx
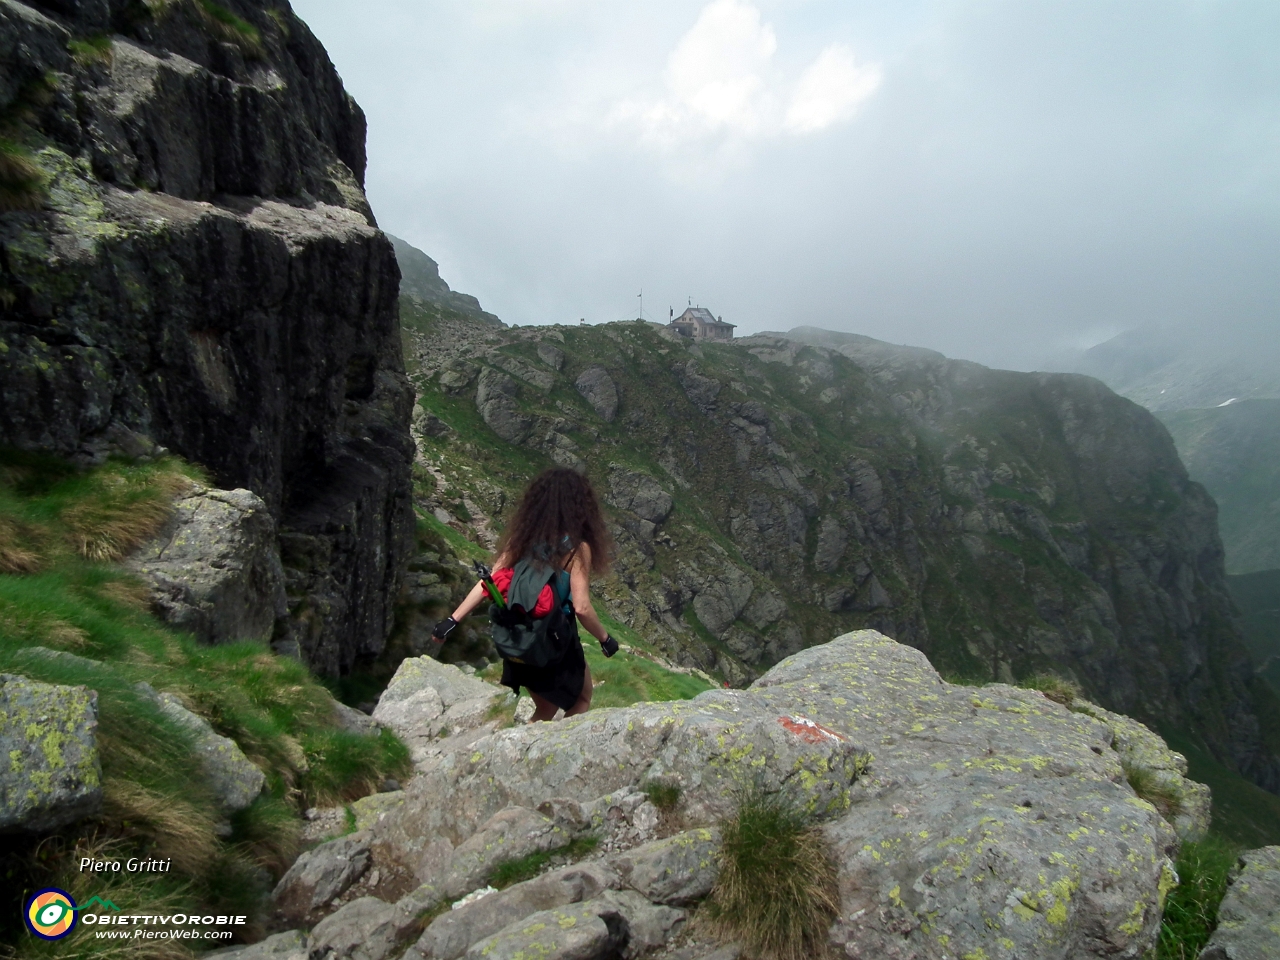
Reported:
(50, 773)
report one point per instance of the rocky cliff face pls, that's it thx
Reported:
(770, 493)
(203, 269)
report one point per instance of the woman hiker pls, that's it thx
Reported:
(557, 524)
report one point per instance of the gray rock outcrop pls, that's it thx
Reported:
(676, 871)
(496, 395)
(593, 930)
(1189, 804)
(639, 493)
(214, 570)
(450, 934)
(290, 945)
(428, 701)
(364, 929)
(50, 774)
(961, 819)
(1249, 915)
(599, 390)
(204, 272)
(318, 876)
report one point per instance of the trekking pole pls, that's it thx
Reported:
(486, 577)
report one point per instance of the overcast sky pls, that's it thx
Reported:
(998, 181)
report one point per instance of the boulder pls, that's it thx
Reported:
(706, 746)
(639, 493)
(648, 925)
(599, 390)
(496, 401)
(701, 391)
(214, 569)
(985, 821)
(595, 930)
(234, 779)
(369, 810)
(551, 355)
(290, 945)
(539, 379)
(51, 774)
(678, 870)
(353, 720)
(1249, 915)
(364, 929)
(1190, 803)
(831, 543)
(306, 890)
(424, 423)
(722, 597)
(450, 934)
(993, 821)
(427, 700)
(508, 835)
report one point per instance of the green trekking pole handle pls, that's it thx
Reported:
(486, 577)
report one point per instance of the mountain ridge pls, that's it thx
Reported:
(770, 493)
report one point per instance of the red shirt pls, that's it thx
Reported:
(546, 599)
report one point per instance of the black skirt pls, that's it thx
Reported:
(559, 681)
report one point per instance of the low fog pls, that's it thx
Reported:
(1004, 182)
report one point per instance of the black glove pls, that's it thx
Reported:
(608, 645)
(441, 631)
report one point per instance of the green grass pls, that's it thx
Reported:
(1191, 910)
(663, 794)
(1058, 689)
(233, 28)
(461, 546)
(21, 179)
(90, 50)
(627, 678)
(58, 592)
(1148, 785)
(515, 871)
(776, 892)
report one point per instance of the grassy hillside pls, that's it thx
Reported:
(60, 530)
(1235, 452)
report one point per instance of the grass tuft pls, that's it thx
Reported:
(118, 511)
(91, 50)
(232, 28)
(663, 794)
(1191, 910)
(776, 891)
(1058, 689)
(1153, 788)
(510, 872)
(22, 181)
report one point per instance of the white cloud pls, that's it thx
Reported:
(720, 81)
(830, 91)
(715, 71)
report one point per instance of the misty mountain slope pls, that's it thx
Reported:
(1167, 371)
(767, 495)
(421, 283)
(1258, 597)
(1235, 452)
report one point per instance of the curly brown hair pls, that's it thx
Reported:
(559, 509)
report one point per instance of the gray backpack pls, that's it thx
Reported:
(520, 636)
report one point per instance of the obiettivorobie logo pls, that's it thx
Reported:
(51, 913)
